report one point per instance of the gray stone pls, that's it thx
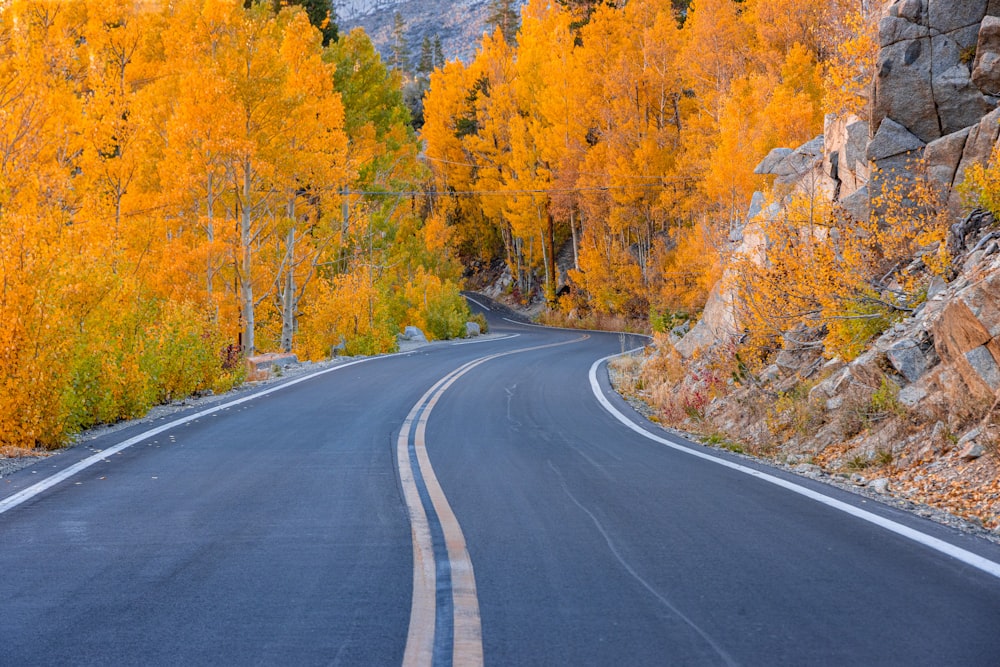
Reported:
(907, 358)
(969, 437)
(985, 366)
(943, 156)
(955, 14)
(959, 102)
(891, 140)
(717, 324)
(911, 394)
(972, 450)
(894, 29)
(911, 10)
(414, 334)
(808, 469)
(857, 205)
(858, 479)
(880, 485)
(855, 150)
(979, 145)
(472, 329)
(772, 160)
(834, 403)
(903, 89)
(986, 67)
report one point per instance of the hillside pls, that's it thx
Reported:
(912, 414)
(459, 25)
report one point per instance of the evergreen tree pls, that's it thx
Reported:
(400, 58)
(438, 52)
(426, 63)
(504, 15)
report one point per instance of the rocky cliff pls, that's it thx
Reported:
(915, 414)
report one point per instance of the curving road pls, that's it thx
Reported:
(488, 501)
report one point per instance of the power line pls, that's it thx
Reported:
(543, 191)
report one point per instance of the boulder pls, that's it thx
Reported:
(955, 14)
(943, 156)
(414, 334)
(979, 144)
(985, 366)
(923, 78)
(903, 87)
(959, 102)
(911, 394)
(472, 329)
(908, 359)
(857, 204)
(986, 67)
(717, 324)
(771, 161)
(892, 140)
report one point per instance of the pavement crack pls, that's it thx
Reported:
(728, 659)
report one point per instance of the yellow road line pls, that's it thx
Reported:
(467, 646)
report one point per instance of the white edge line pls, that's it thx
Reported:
(967, 557)
(30, 492)
(572, 329)
(481, 305)
(486, 340)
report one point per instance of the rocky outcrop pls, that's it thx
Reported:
(924, 73)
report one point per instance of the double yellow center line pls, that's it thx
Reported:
(444, 614)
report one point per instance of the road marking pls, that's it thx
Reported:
(962, 555)
(30, 492)
(445, 628)
(481, 305)
(485, 340)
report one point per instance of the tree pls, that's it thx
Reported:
(399, 47)
(503, 15)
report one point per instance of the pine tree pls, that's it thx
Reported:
(426, 64)
(400, 58)
(504, 16)
(438, 53)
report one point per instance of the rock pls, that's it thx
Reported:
(986, 67)
(972, 450)
(969, 437)
(978, 145)
(414, 334)
(880, 485)
(892, 139)
(985, 366)
(858, 479)
(717, 324)
(936, 286)
(834, 403)
(983, 301)
(831, 386)
(955, 14)
(960, 103)
(911, 10)
(770, 374)
(472, 329)
(808, 469)
(907, 358)
(771, 162)
(944, 155)
(911, 394)
(857, 205)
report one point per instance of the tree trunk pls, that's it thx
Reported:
(246, 263)
(550, 266)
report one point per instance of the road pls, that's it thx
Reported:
(463, 503)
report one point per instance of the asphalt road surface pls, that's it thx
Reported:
(488, 501)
